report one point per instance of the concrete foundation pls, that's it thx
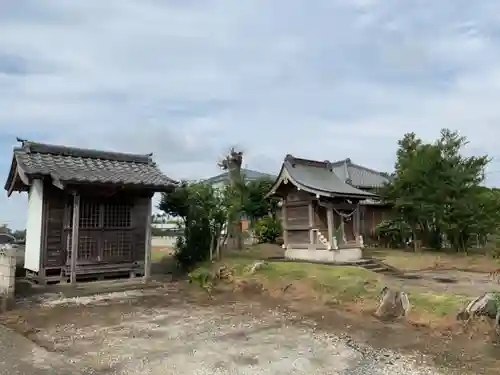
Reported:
(7, 276)
(333, 256)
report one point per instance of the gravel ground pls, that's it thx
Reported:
(20, 356)
(112, 334)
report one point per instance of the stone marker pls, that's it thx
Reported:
(486, 305)
(393, 304)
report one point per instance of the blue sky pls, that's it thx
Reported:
(187, 79)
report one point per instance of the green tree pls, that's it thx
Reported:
(203, 211)
(437, 191)
(255, 204)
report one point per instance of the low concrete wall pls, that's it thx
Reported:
(169, 241)
(7, 275)
(333, 256)
(163, 241)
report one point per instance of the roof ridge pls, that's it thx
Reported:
(313, 163)
(86, 153)
(322, 181)
(349, 162)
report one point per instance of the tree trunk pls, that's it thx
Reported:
(232, 164)
(212, 246)
(414, 237)
(234, 228)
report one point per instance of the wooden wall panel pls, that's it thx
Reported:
(297, 215)
(54, 254)
(298, 237)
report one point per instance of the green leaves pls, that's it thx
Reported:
(204, 210)
(255, 203)
(437, 190)
(268, 229)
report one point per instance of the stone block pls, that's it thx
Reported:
(7, 275)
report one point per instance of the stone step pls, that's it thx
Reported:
(379, 270)
(370, 265)
(375, 266)
(362, 261)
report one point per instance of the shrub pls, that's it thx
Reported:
(268, 229)
(194, 246)
(393, 233)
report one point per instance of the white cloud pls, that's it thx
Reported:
(189, 79)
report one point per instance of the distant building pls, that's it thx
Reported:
(249, 175)
(6, 238)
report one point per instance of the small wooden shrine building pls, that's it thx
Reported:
(89, 211)
(320, 212)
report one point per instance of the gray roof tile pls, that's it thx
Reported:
(319, 177)
(358, 175)
(75, 165)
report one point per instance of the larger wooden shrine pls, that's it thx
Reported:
(89, 211)
(320, 212)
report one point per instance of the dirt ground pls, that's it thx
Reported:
(449, 281)
(409, 261)
(174, 329)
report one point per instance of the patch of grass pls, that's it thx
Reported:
(261, 251)
(440, 305)
(157, 255)
(336, 285)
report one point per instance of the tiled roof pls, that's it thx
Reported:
(76, 166)
(359, 176)
(250, 175)
(318, 177)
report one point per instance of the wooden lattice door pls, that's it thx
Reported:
(105, 232)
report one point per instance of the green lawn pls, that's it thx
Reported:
(346, 285)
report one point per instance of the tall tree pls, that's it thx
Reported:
(232, 164)
(437, 190)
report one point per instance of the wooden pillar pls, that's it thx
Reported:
(329, 219)
(356, 223)
(342, 230)
(311, 223)
(147, 247)
(373, 226)
(74, 236)
(284, 221)
(362, 223)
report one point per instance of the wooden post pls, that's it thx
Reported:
(311, 223)
(373, 226)
(342, 230)
(329, 219)
(362, 224)
(284, 221)
(147, 248)
(356, 223)
(75, 236)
